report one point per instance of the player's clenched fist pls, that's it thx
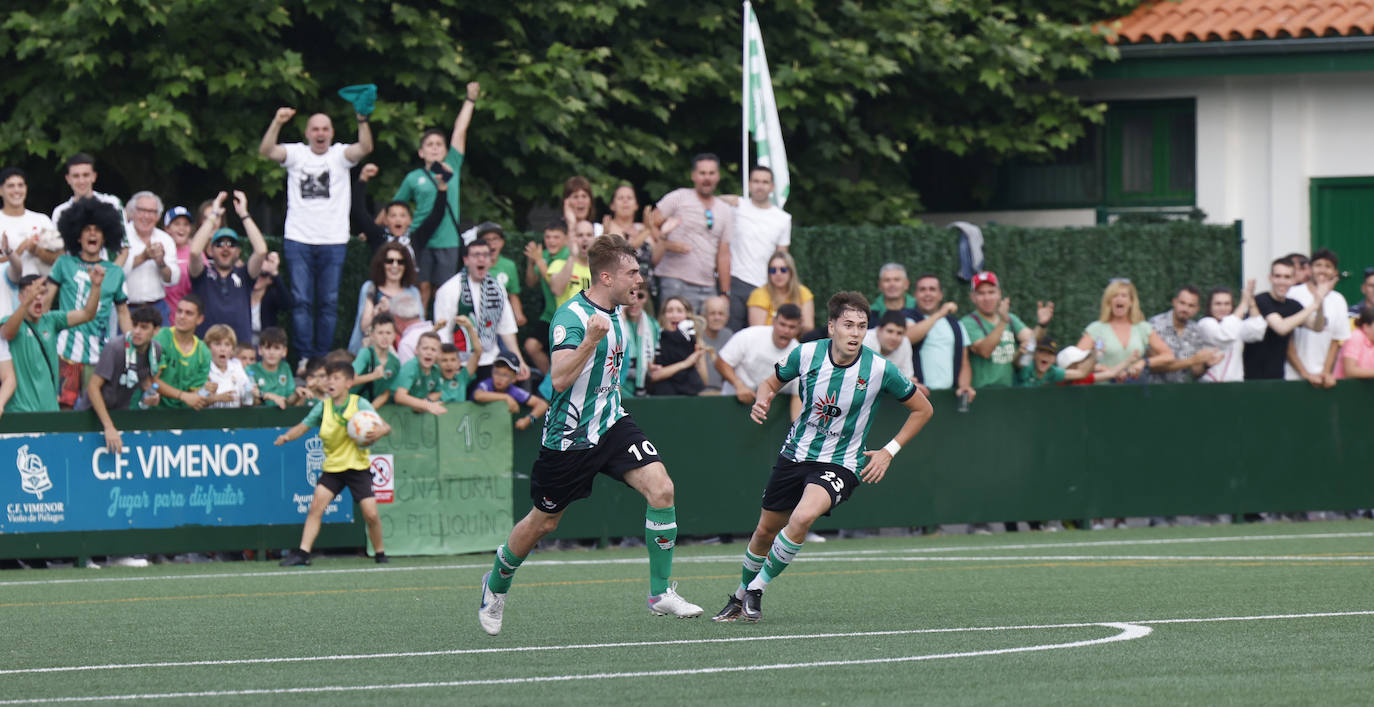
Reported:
(597, 326)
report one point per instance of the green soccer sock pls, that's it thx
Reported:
(779, 557)
(752, 564)
(660, 536)
(503, 570)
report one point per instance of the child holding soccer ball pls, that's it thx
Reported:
(345, 462)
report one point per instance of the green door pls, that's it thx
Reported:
(1343, 220)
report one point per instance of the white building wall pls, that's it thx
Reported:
(1260, 142)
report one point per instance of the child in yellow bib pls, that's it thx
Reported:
(345, 462)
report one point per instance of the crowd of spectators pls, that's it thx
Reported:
(109, 306)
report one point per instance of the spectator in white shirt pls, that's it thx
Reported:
(229, 385)
(749, 355)
(20, 233)
(151, 263)
(475, 293)
(1228, 328)
(410, 324)
(81, 176)
(1312, 351)
(761, 229)
(889, 340)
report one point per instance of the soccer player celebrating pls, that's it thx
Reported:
(840, 382)
(587, 432)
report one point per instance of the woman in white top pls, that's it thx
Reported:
(1228, 329)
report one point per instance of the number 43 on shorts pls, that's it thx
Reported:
(648, 449)
(835, 481)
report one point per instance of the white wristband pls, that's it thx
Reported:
(892, 447)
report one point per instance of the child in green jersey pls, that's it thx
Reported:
(271, 376)
(376, 366)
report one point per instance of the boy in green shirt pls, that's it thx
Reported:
(32, 335)
(345, 461)
(376, 366)
(275, 383)
(417, 383)
(537, 261)
(185, 364)
(454, 376)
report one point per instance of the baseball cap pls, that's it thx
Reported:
(1047, 345)
(486, 227)
(508, 360)
(1070, 355)
(225, 234)
(175, 213)
(987, 276)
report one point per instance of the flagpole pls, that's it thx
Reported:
(744, 103)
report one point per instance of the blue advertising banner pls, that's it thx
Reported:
(162, 479)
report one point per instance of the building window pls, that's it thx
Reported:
(1151, 153)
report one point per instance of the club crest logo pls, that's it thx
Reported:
(615, 358)
(547, 503)
(826, 409)
(281, 379)
(314, 459)
(861, 384)
(664, 543)
(33, 474)
(559, 334)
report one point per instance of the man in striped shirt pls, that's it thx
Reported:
(818, 467)
(587, 432)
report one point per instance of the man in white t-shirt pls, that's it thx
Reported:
(318, 199)
(1313, 350)
(151, 264)
(20, 230)
(749, 355)
(761, 229)
(81, 176)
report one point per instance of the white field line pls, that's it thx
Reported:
(698, 559)
(650, 644)
(1127, 632)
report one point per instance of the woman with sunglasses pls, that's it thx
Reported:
(783, 287)
(391, 273)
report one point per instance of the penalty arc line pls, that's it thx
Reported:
(821, 554)
(650, 644)
(1127, 632)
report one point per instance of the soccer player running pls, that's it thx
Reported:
(815, 471)
(587, 432)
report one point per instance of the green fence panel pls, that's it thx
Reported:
(1020, 454)
(452, 479)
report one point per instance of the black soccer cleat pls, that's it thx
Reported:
(381, 558)
(295, 558)
(731, 611)
(752, 608)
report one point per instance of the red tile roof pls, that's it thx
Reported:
(1226, 20)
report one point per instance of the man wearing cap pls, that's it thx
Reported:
(1177, 328)
(81, 176)
(226, 287)
(20, 233)
(318, 200)
(503, 268)
(438, 260)
(177, 222)
(151, 264)
(995, 332)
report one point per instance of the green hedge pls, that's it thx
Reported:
(1070, 266)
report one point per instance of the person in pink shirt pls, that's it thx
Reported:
(1357, 354)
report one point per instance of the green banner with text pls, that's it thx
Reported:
(452, 479)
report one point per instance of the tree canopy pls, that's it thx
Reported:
(173, 95)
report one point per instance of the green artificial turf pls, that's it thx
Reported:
(836, 626)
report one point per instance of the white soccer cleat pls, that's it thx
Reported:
(492, 608)
(670, 603)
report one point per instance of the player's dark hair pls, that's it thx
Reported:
(272, 336)
(892, 316)
(344, 367)
(606, 253)
(789, 311)
(842, 301)
(146, 315)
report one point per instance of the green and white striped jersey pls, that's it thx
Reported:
(82, 343)
(581, 414)
(839, 402)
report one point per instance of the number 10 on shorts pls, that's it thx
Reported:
(648, 450)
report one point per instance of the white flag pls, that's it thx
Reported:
(761, 111)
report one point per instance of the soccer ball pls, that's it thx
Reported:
(362, 423)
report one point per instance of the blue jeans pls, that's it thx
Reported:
(315, 271)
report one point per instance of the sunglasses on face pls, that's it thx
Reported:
(774, 271)
(710, 220)
(395, 261)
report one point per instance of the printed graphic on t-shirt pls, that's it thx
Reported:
(315, 186)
